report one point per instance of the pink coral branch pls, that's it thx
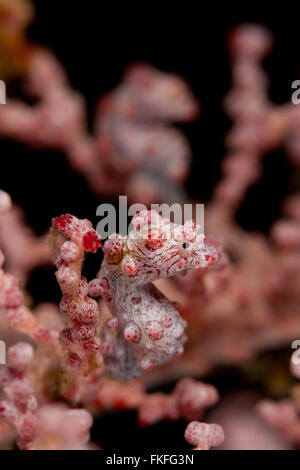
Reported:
(71, 238)
(21, 406)
(49, 427)
(204, 436)
(19, 317)
(23, 250)
(12, 305)
(282, 416)
(189, 400)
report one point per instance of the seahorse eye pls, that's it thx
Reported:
(185, 245)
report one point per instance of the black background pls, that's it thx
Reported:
(96, 40)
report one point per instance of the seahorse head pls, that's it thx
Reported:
(157, 248)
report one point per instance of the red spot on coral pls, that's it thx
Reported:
(65, 336)
(63, 223)
(91, 241)
(92, 345)
(95, 288)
